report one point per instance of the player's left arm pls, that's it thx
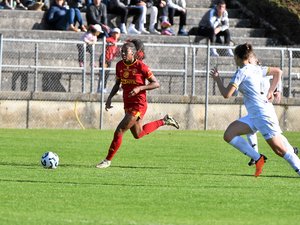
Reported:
(152, 84)
(275, 83)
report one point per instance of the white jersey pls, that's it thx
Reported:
(252, 81)
(248, 81)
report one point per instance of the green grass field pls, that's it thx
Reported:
(168, 177)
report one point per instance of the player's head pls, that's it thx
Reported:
(242, 53)
(140, 48)
(128, 52)
(253, 59)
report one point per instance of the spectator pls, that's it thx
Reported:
(214, 24)
(124, 10)
(75, 16)
(118, 8)
(142, 20)
(153, 12)
(97, 14)
(33, 5)
(19, 5)
(111, 52)
(163, 17)
(137, 11)
(178, 8)
(56, 16)
(90, 38)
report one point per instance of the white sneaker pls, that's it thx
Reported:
(132, 30)
(153, 31)
(213, 52)
(229, 52)
(144, 31)
(104, 164)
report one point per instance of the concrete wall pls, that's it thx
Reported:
(67, 112)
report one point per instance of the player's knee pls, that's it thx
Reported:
(227, 137)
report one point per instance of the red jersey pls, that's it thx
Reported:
(131, 76)
(112, 50)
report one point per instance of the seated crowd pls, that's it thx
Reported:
(67, 14)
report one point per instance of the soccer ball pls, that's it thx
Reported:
(50, 160)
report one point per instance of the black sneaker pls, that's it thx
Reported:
(251, 162)
(296, 151)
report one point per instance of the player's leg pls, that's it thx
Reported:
(252, 139)
(278, 146)
(127, 122)
(288, 145)
(139, 130)
(271, 131)
(232, 136)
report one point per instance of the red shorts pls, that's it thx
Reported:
(136, 110)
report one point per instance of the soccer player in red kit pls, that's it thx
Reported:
(132, 74)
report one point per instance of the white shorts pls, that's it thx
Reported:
(267, 126)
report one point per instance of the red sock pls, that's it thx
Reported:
(150, 127)
(115, 145)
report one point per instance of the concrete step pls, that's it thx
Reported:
(34, 19)
(199, 4)
(239, 35)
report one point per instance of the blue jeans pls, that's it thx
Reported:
(74, 16)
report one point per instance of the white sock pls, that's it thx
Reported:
(252, 139)
(293, 160)
(243, 146)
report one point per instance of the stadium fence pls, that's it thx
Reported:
(42, 79)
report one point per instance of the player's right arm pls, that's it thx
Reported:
(225, 91)
(113, 92)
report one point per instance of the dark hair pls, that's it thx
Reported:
(140, 48)
(220, 2)
(243, 51)
(130, 45)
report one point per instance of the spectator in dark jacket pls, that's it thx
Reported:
(57, 16)
(97, 14)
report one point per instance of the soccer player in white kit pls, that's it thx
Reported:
(262, 117)
(264, 87)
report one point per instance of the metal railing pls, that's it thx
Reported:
(184, 63)
(28, 65)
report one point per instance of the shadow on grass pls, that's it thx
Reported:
(87, 183)
(78, 166)
(142, 167)
(238, 175)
